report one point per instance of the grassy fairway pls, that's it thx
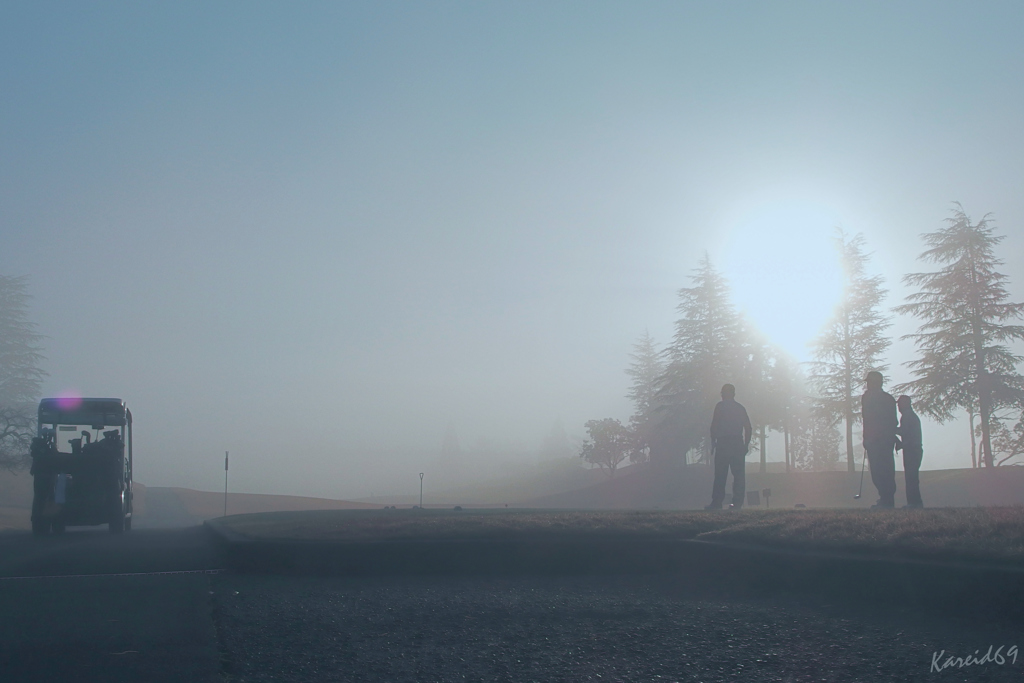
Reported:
(981, 533)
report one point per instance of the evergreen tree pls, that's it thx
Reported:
(811, 432)
(852, 343)
(814, 439)
(706, 352)
(20, 374)
(964, 338)
(646, 370)
(760, 383)
(788, 395)
(785, 381)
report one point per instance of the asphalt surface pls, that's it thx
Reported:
(612, 628)
(89, 606)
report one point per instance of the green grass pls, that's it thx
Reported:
(983, 533)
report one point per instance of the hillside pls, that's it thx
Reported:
(554, 477)
(165, 507)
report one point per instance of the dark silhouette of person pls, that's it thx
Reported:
(878, 411)
(909, 432)
(730, 440)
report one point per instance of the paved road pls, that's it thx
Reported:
(89, 606)
(608, 629)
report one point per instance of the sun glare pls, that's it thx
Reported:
(784, 271)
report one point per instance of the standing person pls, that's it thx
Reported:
(913, 450)
(730, 440)
(878, 410)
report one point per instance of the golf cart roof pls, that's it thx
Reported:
(84, 411)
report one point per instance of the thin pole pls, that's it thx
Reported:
(421, 490)
(225, 483)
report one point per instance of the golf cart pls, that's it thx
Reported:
(82, 465)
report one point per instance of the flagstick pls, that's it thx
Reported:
(225, 483)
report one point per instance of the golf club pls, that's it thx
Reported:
(861, 489)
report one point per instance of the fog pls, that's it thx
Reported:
(318, 235)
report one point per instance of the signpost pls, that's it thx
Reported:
(225, 483)
(421, 490)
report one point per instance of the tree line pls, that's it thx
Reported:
(965, 363)
(20, 373)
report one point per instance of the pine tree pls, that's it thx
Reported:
(761, 382)
(964, 338)
(706, 352)
(20, 374)
(646, 370)
(852, 343)
(788, 395)
(815, 439)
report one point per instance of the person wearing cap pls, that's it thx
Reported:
(909, 432)
(730, 441)
(878, 412)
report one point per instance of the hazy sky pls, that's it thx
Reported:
(316, 233)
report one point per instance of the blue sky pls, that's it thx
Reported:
(327, 230)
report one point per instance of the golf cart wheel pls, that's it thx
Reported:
(57, 527)
(117, 525)
(40, 528)
(118, 521)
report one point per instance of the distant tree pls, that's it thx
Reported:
(20, 373)
(794, 433)
(646, 371)
(789, 397)
(965, 359)
(706, 352)
(1007, 440)
(639, 441)
(815, 438)
(761, 385)
(609, 444)
(852, 343)
(940, 390)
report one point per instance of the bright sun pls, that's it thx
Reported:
(784, 272)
